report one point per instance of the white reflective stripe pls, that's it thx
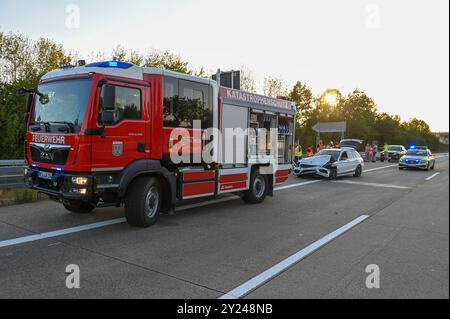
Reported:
(270, 273)
(198, 196)
(284, 167)
(232, 171)
(232, 190)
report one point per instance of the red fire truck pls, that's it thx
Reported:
(102, 134)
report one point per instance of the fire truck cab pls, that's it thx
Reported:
(104, 134)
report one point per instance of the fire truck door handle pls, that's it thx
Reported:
(141, 147)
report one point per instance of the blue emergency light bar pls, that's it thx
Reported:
(110, 64)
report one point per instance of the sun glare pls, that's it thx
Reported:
(331, 99)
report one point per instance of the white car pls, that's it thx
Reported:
(333, 162)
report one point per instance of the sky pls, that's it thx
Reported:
(397, 51)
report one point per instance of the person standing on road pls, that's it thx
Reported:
(375, 151)
(386, 151)
(298, 153)
(367, 152)
(371, 153)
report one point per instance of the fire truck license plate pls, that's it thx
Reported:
(45, 175)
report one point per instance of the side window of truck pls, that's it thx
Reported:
(184, 102)
(127, 104)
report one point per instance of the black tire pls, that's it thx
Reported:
(358, 171)
(333, 174)
(258, 190)
(78, 207)
(400, 168)
(143, 202)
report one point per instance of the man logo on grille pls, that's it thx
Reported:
(47, 147)
(117, 148)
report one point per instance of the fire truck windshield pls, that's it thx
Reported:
(61, 103)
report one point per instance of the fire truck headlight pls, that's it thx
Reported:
(81, 191)
(79, 180)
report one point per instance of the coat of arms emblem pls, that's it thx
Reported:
(117, 148)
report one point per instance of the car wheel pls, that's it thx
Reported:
(78, 207)
(143, 202)
(358, 171)
(333, 174)
(400, 168)
(258, 189)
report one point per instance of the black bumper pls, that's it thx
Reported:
(60, 187)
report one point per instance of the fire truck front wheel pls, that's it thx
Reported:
(78, 207)
(143, 202)
(258, 189)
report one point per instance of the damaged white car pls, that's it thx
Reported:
(334, 162)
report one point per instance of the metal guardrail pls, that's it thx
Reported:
(11, 173)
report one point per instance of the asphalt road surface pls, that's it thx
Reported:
(313, 239)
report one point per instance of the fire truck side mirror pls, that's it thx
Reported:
(109, 97)
(108, 117)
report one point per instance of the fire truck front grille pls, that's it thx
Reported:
(49, 154)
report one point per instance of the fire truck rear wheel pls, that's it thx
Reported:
(78, 207)
(143, 202)
(258, 189)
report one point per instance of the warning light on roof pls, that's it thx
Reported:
(110, 64)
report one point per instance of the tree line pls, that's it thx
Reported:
(24, 61)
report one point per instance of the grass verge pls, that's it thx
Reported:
(15, 196)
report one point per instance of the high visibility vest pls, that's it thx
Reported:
(386, 148)
(298, 151)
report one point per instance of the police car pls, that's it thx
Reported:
(417, 158)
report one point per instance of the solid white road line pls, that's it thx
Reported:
(432, 176)
(60, 232)
(26, 239)
(379, 168)
(20, 240)
(270, 273)
(372, 184)
(279, 188)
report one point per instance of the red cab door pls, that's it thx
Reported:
(124, 137)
